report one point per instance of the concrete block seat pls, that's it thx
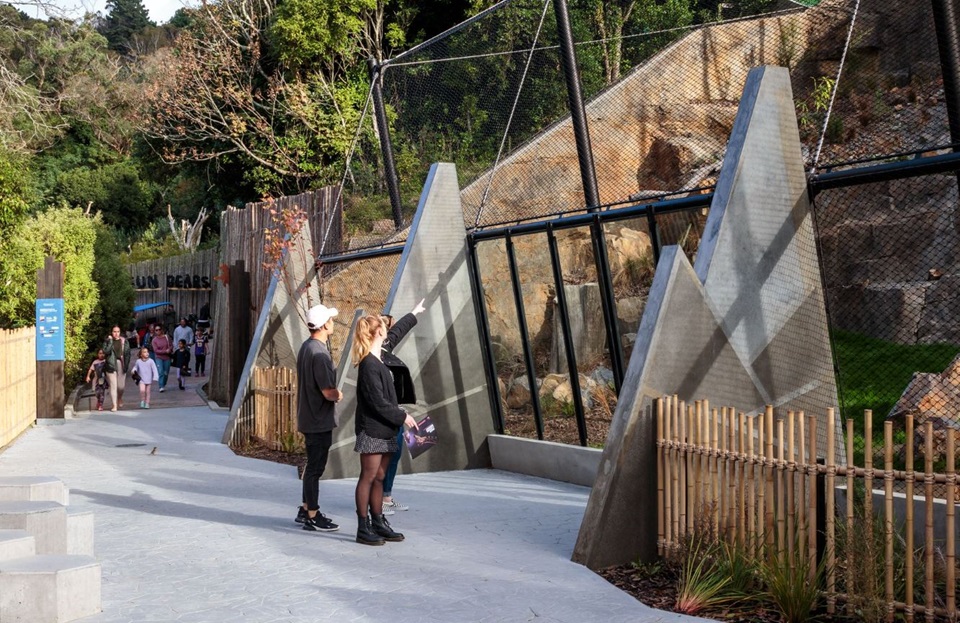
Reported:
(80, 526)
(16, 544)
(33, 489)
(49, 588)
(45, 521)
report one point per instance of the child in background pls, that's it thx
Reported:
(181, 361)
(148, 373)
(200, 350)
(96, 373)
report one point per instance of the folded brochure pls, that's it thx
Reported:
(422, 438)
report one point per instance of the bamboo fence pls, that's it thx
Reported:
(18, 382)
(269, 413)
(752, 480)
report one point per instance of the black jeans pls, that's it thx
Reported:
(318, 448)
(201, 366)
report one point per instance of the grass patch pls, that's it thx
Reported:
(873, 373)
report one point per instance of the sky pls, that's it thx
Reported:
(160, 10)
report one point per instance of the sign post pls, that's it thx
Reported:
(51, 327)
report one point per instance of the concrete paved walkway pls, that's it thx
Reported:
(188, 531)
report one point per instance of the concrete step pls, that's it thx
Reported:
(80, 532)
(33, 489)
(46, 521)
(49, 589)
(16, 544)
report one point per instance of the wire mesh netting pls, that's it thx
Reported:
(889, 253)
(662, 87)
(363, 284)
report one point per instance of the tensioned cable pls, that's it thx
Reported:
(346, 166)
(513, 109)
(593, 41)
(452, 30)
(836, 87)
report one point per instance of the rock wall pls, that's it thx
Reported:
(891, 259)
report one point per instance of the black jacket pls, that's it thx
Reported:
(378, 414)
(402, 381)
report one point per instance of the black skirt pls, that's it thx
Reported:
(371, 445)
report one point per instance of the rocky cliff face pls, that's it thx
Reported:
(891, 257)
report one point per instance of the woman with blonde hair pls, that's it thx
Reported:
(378, 420)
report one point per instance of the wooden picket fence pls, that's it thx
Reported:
(755, 479)
(18, 382)
(269, 414)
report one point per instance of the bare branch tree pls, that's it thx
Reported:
(186, 234)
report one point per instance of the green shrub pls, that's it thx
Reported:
(703, 583)
(114, 287)
(790, 586)
(68, 236)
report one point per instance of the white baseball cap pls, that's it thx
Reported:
(319, 315)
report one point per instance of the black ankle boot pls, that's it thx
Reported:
(382, 527)
(365, 533)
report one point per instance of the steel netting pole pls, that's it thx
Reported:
(945, 16)
(588, 176)
(386, 148)
(578, 113)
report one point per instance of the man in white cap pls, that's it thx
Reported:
(316, 395)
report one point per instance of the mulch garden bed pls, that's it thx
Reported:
(659, 590)
(258, 450)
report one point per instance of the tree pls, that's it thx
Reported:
(115, 289)
(226, 92)
(125, 18)
(115, 190)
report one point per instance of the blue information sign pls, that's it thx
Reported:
(50, 330)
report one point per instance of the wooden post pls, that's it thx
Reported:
(741, 479)
(50, 391)
(888, 516)
(781, 494)
(751, 490)
(812, 499)
(851, 465)
(238, 313)
(668, 475)
(801, 498)
(951, 499)
(731, 478)
(830, 511)
(714, 472)
(769, 525)
(675, 471)
(928, 595)
(661, 470)
(791, 488)
(908, 570)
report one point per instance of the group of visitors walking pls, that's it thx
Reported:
(155, 354)
(383, 382)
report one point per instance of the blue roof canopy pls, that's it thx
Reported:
(140, 308)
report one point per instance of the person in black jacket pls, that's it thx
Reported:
(403, 383)
(378, 420)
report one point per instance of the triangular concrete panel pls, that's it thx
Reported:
(443, 352)
(746, 326)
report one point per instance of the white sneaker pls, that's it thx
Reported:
(161, 390)
(387, 510)
(395, 506)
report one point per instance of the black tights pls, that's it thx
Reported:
(370, 484)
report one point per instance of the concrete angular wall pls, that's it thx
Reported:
(745, 326)
(443, 351)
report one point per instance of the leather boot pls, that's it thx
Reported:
(366, 534)
(382, 527)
